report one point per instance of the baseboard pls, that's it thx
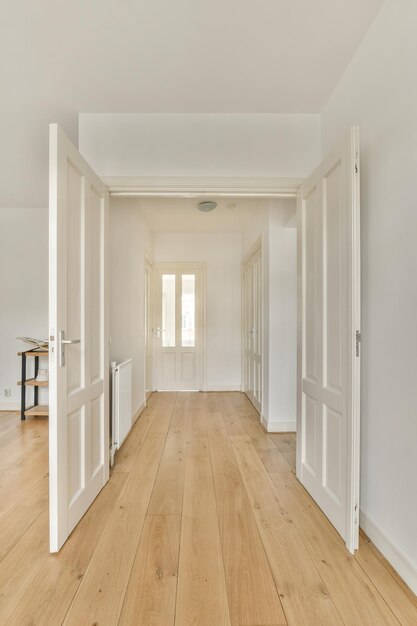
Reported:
(9, 406)
(278, 427)
(138, 412)
(393, 554)
(223, 388)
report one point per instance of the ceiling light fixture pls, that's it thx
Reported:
(206, 206)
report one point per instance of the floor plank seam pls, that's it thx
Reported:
(371, 582)
(146, 513)
(21, 536)
(108, 521)
(218, 527)
(179, 546)
(308, 552)
(40, 565)
(93, 553)
(24, 495)
(262, 543)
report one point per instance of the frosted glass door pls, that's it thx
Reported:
(179, 332)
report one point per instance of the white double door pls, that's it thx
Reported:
(178, 330)
(328, 405)
(79, 337)
(252, 327)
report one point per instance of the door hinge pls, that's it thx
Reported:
(356, 162)
(358, 341)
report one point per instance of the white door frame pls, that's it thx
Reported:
(201, 187)
(177, 266)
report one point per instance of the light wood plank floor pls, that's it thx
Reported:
(202, 522)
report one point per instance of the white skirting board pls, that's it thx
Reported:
(278, 427)
(222, 388)
(9, 406)
(398, 560)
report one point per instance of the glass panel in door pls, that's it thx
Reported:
(168, 311)
(188, 311)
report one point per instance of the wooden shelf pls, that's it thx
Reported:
(40, 409)
(32, 382)
(40, 352)
(25, 382)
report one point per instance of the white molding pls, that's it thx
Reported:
(137, 413)
(9, 406)
(257, 247)
(399, 561)
(202, 186)
(223, 388)
(274, 426)
(264, 422)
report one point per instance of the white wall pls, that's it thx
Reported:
(379, 93)
(129, 241)
(23, 293)
(279, 264)
(223, 255)
(200, 144)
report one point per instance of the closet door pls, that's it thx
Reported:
(148, 330)
(252, 326)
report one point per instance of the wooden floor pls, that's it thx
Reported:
(202, 522)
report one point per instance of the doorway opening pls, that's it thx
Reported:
(328, 229)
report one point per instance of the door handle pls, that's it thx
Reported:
(62, 342)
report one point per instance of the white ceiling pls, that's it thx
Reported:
(59, 58)
(180, 215)
(278, 56)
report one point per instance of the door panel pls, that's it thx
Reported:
(148, 330)
(78, 293)
(329, 316)
(179, 337)
(252, 327)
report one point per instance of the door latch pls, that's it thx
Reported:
(358, 341)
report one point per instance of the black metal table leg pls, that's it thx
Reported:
(36, 388)
(23, 390)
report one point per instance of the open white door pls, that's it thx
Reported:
(79, 337)
(328, 402)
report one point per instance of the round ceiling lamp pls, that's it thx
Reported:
(206, 206)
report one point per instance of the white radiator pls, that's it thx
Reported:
(122, 404)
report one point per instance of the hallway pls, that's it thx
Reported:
(202, 522)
